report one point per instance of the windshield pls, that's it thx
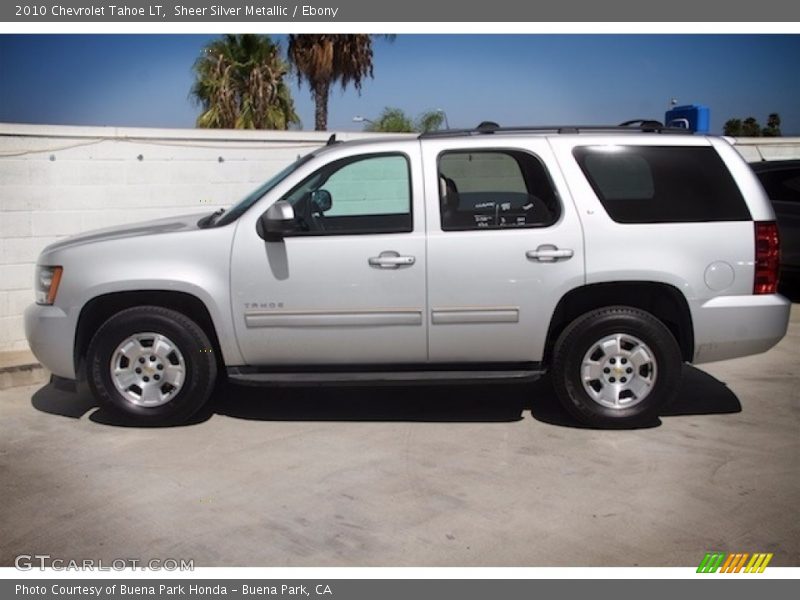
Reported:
(241, 207)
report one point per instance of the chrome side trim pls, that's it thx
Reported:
(456, 316)
(344, 318)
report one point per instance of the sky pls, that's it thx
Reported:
(144, 80)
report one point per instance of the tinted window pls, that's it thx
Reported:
(243, 205)
(363, 194)
(782, 185)
(494, 189)
(657, 184)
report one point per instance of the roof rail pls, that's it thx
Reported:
(485, 129)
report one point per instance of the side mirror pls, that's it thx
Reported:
(321, 200)
(276, 222)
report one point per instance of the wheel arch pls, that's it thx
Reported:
(100, 308)
(663, 301)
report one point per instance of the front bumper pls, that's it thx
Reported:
(733, 326)
(51, 336)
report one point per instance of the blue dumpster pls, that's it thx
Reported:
(690, 116)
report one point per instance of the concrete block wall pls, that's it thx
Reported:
(57, 181)
(758, 149)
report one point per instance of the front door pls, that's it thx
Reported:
(348, 286)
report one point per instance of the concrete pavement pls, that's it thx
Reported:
(431, 476)
(19, 368)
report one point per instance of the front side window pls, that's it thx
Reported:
(362, 194)
(495, 189)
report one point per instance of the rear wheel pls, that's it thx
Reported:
(152, 364)
(616, 367)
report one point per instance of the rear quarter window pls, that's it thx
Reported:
(662, 184)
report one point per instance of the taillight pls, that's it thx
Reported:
(767, 258)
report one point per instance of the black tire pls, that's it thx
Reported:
(195, 352)
(583, 335)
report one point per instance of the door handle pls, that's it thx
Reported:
(549, 253)
(391, 260)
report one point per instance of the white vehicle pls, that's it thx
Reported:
(606, 257)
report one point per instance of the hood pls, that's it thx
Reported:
(146, 228)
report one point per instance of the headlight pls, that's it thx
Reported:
(47, 280)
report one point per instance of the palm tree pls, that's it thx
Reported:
(430, 120)
(733, 127)
(325, 59)
(773, 128)
(750, 127)
(395, 120)
(239, 84)
(391, 120)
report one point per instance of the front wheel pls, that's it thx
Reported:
(616, 367)
(151, 364)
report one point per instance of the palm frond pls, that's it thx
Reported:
(237, 83)
(325, 59)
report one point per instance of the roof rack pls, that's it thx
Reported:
(487, 129)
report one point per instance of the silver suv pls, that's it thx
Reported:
(606, 257)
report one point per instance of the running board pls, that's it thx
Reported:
(247, 376)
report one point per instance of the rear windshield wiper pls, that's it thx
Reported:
(208, 220)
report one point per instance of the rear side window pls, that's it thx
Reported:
(495, 189)
(662, 184)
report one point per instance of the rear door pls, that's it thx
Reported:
(504, 245)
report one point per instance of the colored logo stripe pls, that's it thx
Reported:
(758, 563)
(711, 562)
(734, 562)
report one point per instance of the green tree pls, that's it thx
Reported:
(395, 120)
(773, 128)
(751, 128)
(391, 120)
(239, 85)
(430, 121)
(325, 59)
(733, 127)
